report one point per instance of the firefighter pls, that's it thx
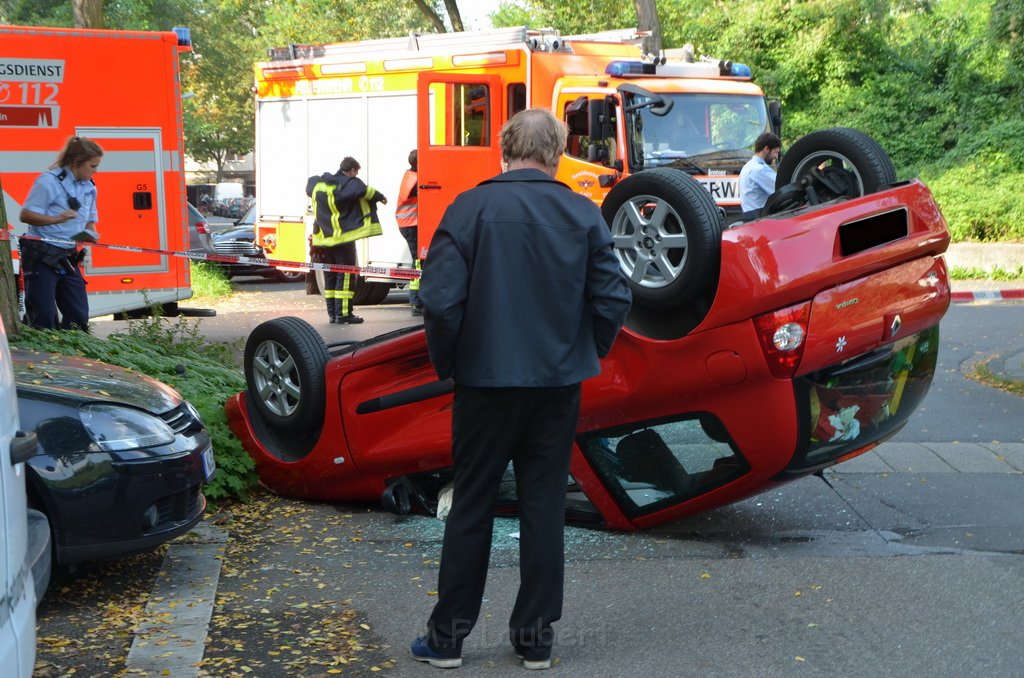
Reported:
(61, 204)
(408, 220)
(344, 211)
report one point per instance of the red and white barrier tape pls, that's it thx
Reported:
(369, 271)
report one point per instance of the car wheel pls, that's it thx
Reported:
(667, 234)
(836, 163)
(284, 374)
(290, 276)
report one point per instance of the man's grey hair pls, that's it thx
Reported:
(534, 134)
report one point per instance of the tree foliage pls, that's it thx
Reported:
(939, 83)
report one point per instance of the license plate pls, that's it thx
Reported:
(209, 465)
(724, 190)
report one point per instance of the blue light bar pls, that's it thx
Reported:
(740, 70)
(623, 68)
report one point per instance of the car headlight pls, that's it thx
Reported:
(115, 428)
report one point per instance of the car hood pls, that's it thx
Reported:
(58, 376)
(239, 232)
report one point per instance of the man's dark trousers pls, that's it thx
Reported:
(534, 427)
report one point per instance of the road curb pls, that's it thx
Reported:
(988, 295)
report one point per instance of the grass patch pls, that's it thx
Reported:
(983, 374)
(209, 281)
(205, 373)
(964, 273)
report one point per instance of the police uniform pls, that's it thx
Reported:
(344, 210)
(53, 279)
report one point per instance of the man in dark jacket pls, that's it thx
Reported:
(344, 210)
(522, 296)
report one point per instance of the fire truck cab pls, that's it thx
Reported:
(448, 95)
(121, 89)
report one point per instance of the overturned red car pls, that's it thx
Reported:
(754, 354)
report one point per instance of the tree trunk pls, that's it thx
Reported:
(8, 285)
(429, 12)
(453, 14)
(88, 13)
(647, 20)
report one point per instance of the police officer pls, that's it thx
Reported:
(61, 204)
(344, 211)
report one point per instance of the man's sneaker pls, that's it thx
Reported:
(417, 310)
(534, 664)
(349, 320)
(421, 652)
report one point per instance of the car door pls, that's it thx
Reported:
(17, 597)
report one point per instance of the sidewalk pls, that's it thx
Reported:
(984, 256)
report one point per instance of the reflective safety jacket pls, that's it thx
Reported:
(405, 212)
(344, 209)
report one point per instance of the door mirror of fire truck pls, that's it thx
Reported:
(600, 123)
(775, 115)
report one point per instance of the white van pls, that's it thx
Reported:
(24, 539)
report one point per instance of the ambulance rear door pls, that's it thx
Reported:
(459, 116)
(132, 210)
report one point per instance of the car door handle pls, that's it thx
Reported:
(430, 187)
(23, 447)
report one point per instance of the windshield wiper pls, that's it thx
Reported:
(678, 160)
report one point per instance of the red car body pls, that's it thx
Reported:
(678, 421)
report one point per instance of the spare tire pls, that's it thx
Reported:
(284, 374)
(841, 162)
(667, 233)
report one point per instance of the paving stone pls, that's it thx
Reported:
(869, 462)
(970, 458)
(1011, 453)
(912, 458)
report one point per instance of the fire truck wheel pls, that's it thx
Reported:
(369, 293)
(667, 233)
(284, 374)
(841, 162)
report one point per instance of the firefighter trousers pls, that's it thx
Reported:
(339, 288)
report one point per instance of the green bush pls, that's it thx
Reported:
(205, 373)
(209, 281)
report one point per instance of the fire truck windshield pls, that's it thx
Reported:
(701, 131)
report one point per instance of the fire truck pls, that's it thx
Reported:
(121, 89)
(448, 95)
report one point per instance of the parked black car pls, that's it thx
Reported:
(240, 240)
(121, 457)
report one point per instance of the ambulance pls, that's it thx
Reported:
(448, 95)
(121, 89)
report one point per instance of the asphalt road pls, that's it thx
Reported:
(907, 561)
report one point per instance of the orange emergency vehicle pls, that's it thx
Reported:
(448, 95)
(121, 89)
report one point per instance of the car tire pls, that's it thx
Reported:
(667, 234)
(284, 374)
(841, 162)
(290, 276)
